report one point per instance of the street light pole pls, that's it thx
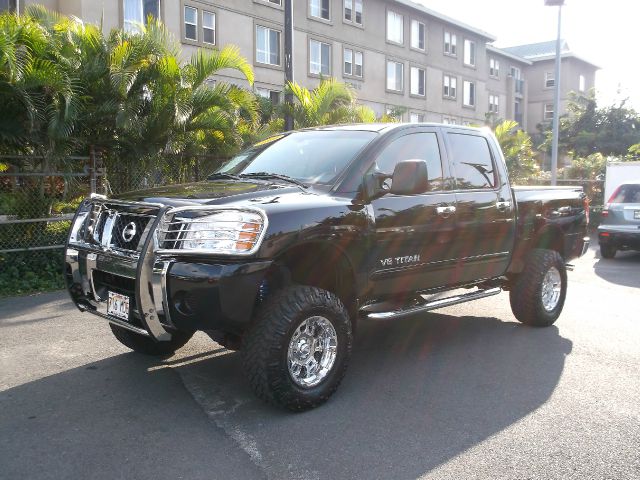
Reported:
(288, 62)
(556, 99)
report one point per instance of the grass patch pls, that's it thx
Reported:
(31, 272)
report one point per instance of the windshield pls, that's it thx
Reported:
(312, 157)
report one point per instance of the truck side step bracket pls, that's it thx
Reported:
(427, 306)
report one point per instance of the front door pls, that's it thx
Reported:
(413, 233)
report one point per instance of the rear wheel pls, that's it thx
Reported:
(538, 295)
(607, 251)
(296, 354)
(149, 346)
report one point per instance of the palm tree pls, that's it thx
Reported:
(330, 103)
(517, 148)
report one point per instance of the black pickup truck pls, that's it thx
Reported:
(294, 241)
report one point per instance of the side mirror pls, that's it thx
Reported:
(410, 177)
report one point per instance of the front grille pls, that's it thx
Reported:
(118, 228)
(127, 231)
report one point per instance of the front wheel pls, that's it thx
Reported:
(538, 295)
(296, 354)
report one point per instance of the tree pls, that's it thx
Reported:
(517, 148)
(588, 129)
(332, 102)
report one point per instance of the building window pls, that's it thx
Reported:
(468, 94)
(516, 72)
(493, 103)
(191, 23)
(417, 35)
(549, 79)
(352, 62)
(353, 11)
(449, 121)
(470, 53)
(548, 112)
(450, 44)
(395, 27)
(275, 2)
(319, 9)
(581, 83)
(494, 68)
(267, 45)
(272, 95)
(449, 85)
(319, 58)
(209, 27)
(418, 81)
(7, 5)
(416, 117)
(136, 12)
(395, 73)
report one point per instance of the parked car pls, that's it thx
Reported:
(295, 241)
(620, 226)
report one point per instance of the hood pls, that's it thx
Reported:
(218, 192)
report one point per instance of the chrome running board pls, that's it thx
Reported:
(427, 306)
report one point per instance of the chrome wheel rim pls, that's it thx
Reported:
(312, 351)
(551, 287)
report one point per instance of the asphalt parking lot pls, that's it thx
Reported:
(464, 392)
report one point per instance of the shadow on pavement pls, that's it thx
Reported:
(623, 269)
(418, 392)
(113, 419)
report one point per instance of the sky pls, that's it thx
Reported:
(604, 32)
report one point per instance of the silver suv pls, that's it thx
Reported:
(620, 228)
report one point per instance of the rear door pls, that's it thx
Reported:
(485, 216)
(413, 233)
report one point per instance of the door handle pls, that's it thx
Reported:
(502, 206)
(446, 210)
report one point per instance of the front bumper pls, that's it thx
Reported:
(166, 294)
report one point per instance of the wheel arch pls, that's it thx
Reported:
(318, 264)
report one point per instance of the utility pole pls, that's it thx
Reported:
(556, 99)
(288, 61)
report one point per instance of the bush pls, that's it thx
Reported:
(29, 272)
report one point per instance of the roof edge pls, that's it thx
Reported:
(563, 55)
(445, 18)
(492, 48)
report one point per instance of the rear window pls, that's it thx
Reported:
(627, 194)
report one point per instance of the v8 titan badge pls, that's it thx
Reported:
(397, 261)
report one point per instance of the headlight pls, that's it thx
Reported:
(226, 231)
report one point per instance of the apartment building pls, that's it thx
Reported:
(576, 75)
(398, 55)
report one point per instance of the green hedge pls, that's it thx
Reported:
(30, 272)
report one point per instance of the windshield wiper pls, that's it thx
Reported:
(266, 175)
(222, 175)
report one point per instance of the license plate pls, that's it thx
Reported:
(118, 305)
(636, 214)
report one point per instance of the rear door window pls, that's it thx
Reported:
(472, 162)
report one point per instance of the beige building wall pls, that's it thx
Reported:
(236, 22)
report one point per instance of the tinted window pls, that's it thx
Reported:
(472, 161)
(310, 156)
(627, 194)
(416, 146)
